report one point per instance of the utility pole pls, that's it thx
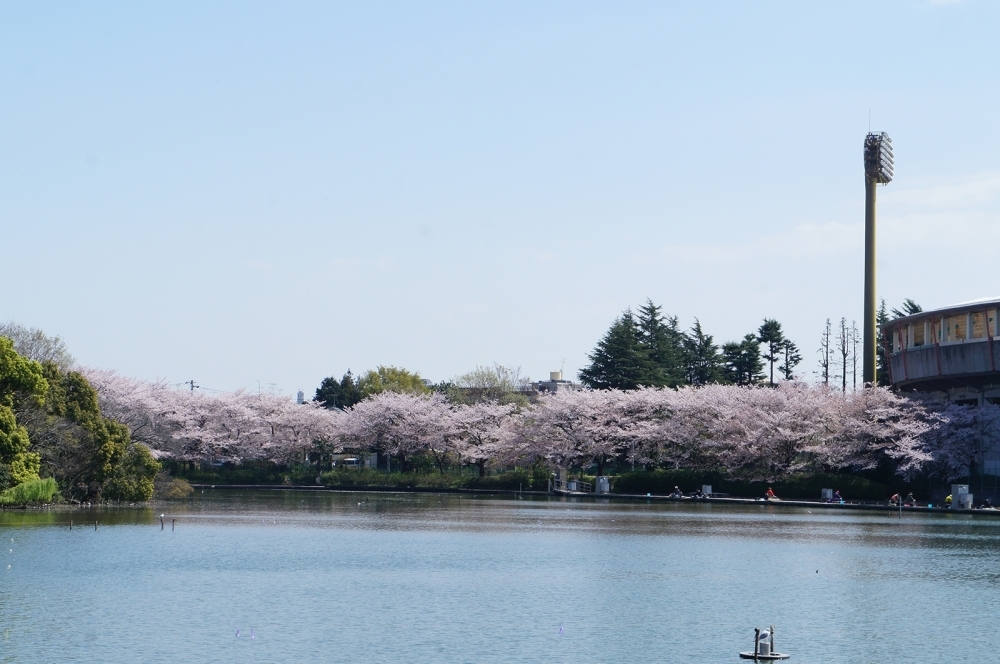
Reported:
(191, 383)
(878, 170)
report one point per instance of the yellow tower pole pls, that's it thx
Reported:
(878, 170)
(870, 365)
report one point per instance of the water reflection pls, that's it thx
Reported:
(327, 576)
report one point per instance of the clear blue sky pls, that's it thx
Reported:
(239, 192)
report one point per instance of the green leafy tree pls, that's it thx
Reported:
(391, 379)
(132, 478)
(18, 376)
(338, 394)
(771, 338)
(702, 361)
(664, 344)
(50, 421)
(620, 360)
(91, 456)
(742, 364)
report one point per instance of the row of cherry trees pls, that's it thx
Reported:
(748, 432)
(234, 426)
(752, 433)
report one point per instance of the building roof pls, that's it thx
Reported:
(984, 303)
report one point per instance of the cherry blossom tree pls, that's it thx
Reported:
(747, 432)
(486, 433)
(234, 426)
(963, 437)
(398, 424)
(876, 426)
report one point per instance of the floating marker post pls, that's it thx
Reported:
(763, 648)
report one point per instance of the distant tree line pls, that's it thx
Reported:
(648, 349)
(496, 383)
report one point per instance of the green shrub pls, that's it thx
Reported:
(251, 472)
(34, 491)
(176, 489)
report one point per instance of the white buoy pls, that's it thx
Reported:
(763, 647)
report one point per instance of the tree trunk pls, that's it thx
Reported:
(482, 467)
(600, 465)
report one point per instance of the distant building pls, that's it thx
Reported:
(300, 397)
(953, 351)
(554, 384)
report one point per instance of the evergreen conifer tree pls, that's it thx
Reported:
(664, 344)
(792, 357)
(621, 359)
(742, 362)
(881, 361)
(702, 362)
(770, 335)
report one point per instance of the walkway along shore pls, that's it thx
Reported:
(871, 507)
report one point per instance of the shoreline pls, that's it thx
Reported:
(869, 507)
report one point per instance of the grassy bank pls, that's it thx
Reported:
(36, 492)
(662, 482)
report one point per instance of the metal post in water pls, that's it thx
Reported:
(173, 524)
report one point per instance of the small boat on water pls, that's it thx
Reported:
(763, 647)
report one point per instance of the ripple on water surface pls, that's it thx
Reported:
(353, 577)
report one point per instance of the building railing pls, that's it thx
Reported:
(578, 486)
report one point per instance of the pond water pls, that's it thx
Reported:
(352, 577)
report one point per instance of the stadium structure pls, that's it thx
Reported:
(953, 351)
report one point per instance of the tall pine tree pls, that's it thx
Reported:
(771, 337)
(702, 362)
(620, 360)
(742, 363)
(664, 344)
(792, 357)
